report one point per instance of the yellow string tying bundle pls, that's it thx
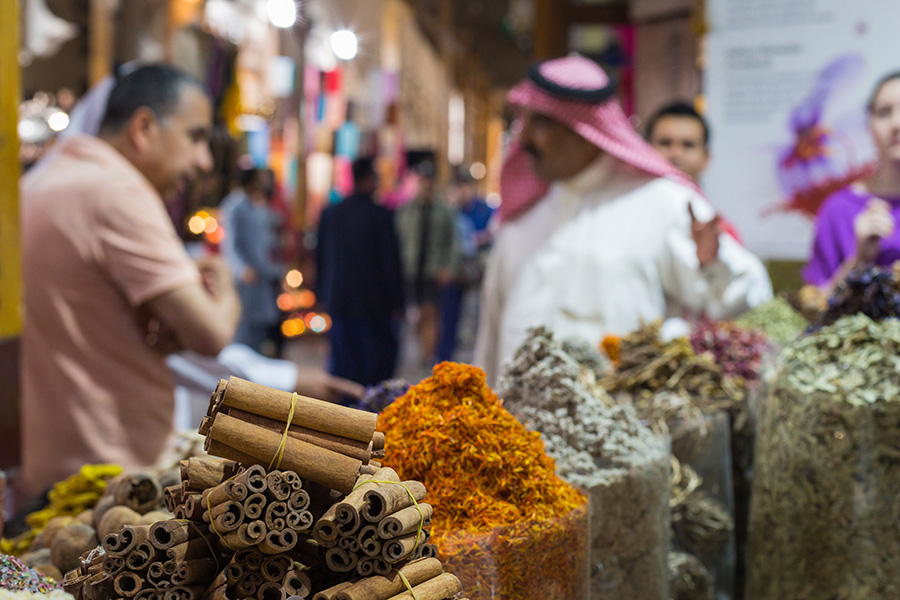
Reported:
(212, 551)
(411, 497)
(276, 460)
(408, 586)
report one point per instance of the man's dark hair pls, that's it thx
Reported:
(679, 109)
(363, 169)
(157, 87)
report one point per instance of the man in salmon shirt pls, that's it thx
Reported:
(107, 281)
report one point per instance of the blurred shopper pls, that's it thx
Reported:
(681, 134)
(108, 282)
(858, 224)
(428, 242)
(360, 281)
(600, 233)
(473, 216)
(251, 227)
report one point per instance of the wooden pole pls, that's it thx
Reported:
(100, 40)
(10, 255)
(550, 35)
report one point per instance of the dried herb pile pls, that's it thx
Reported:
(504, 522)
(602, 447)
(777, 319)
(737, 350)
(872, 291)
(825, 511)
(647, 365)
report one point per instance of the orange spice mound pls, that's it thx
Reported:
(482, 468)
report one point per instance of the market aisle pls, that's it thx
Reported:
(314, 350)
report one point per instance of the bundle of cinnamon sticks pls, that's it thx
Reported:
(325, 443)
(379, 526)
(295, 504)
(426, 579)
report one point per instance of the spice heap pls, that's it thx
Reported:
(325, 443)
(246, 531)
(777, 319)
(606, 450)
(126, 500)
(872, 291)
(648, 365)
(70, 497)
(824, 514)
(503, 522)
(737, 350)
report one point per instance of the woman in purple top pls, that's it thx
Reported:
(858, 225)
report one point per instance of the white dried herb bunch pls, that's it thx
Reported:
(586, 433)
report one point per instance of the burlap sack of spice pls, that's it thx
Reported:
(604, 449)
(824, 516)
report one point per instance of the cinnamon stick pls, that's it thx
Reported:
(332, 592)
(225, 491)
(226, 517)
(166, 534)
(128, 584)
(249, 583)
(233, 573)
(292, 479)
(172, 497)
(380, 587)
(251, 557)
(399, 548)
(217, 448)
(254, 506)
(156, 573)
(347, 447)
(192, 508)
(388, 499)
(138, 491)
(200, 547)
(439, 588)
(308, 412)
(278, 541)
(325, 530)
(125, 540)
(191, 572)
(113, 564)
(142, 555)
(378, 440)
(275, 516)
(203, 473)
(366, 566)
(349, 544)
(340, 560)
(277, 489)
(245, 536)
(369, 543)
(270, 590)
(274, 568)
(184, 592)
(311, 462)
(254, 478)
(405, 521)
(300, 521)
(299, 500)
(347, 513)
(429, 551)
(297, 583)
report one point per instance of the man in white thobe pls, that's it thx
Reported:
(600, 233)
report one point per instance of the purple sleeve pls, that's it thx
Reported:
(834, 238)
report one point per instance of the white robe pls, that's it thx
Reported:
(603, 253)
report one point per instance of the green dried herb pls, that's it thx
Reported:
(824, 509)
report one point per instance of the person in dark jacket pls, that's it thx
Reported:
(360, 281)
